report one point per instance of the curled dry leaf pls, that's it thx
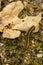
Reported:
(29, 21)
(9, 33)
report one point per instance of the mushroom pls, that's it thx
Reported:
(1, 27)
(22, 26)
(14, 8)
(10, 12)
(9, 15)
(12, 34)
(15, 20)
(7, 10)
(29, 21)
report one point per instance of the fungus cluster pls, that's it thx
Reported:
(11, 25)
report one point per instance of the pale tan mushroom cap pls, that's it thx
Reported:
(1, 27)
(13, 21)
(9, 15)
(24, 26)
(29, 21)
(10, 12)
(8, 33)
(13, 8)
